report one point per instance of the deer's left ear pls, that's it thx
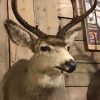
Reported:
(18, 35)
(71, 35)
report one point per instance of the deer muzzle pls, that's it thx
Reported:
(68, 66)
(71, 66)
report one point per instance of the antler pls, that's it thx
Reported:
(33, 29)
(76, 19)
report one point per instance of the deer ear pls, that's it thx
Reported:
(18, 35)
(71, 35)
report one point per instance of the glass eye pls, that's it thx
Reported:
(45, 48)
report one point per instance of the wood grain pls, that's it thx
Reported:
(76, 93)
(46, 16)
(4, 45)
(82, 75)
(65, 8)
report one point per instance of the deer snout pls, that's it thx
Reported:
(68, 66)
(71, 65)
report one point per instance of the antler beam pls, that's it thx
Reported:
(76, 19)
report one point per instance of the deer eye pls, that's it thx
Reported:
(45, 48)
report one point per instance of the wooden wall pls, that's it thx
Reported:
(4, 44)
(45, 14)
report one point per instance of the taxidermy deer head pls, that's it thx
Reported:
(55, 47)
(51, 54)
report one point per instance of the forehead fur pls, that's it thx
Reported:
(54, 41)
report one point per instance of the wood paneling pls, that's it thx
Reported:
(76, 93)
(4, 45)
(46, 16)
(65, 8)
(82, 75)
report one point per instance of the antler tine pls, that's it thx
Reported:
(32, 29)
(76, 19)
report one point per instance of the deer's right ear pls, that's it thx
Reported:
(18, 35)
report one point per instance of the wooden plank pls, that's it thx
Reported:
(26, 10)
(82, 75)
(76, 93)
(46, 16)
(79, 52)
(4, 45)
(65, 8)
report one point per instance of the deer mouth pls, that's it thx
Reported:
(68, 67)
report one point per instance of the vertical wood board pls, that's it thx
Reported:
(76, 93)
(65, 8)
(4, 45)
(46, 16)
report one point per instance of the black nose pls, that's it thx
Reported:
(71, 65)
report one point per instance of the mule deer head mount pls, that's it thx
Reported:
(47, 47)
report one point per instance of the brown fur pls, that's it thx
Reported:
(39, 78)
(21, 87)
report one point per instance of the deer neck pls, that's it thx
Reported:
(44, 74)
